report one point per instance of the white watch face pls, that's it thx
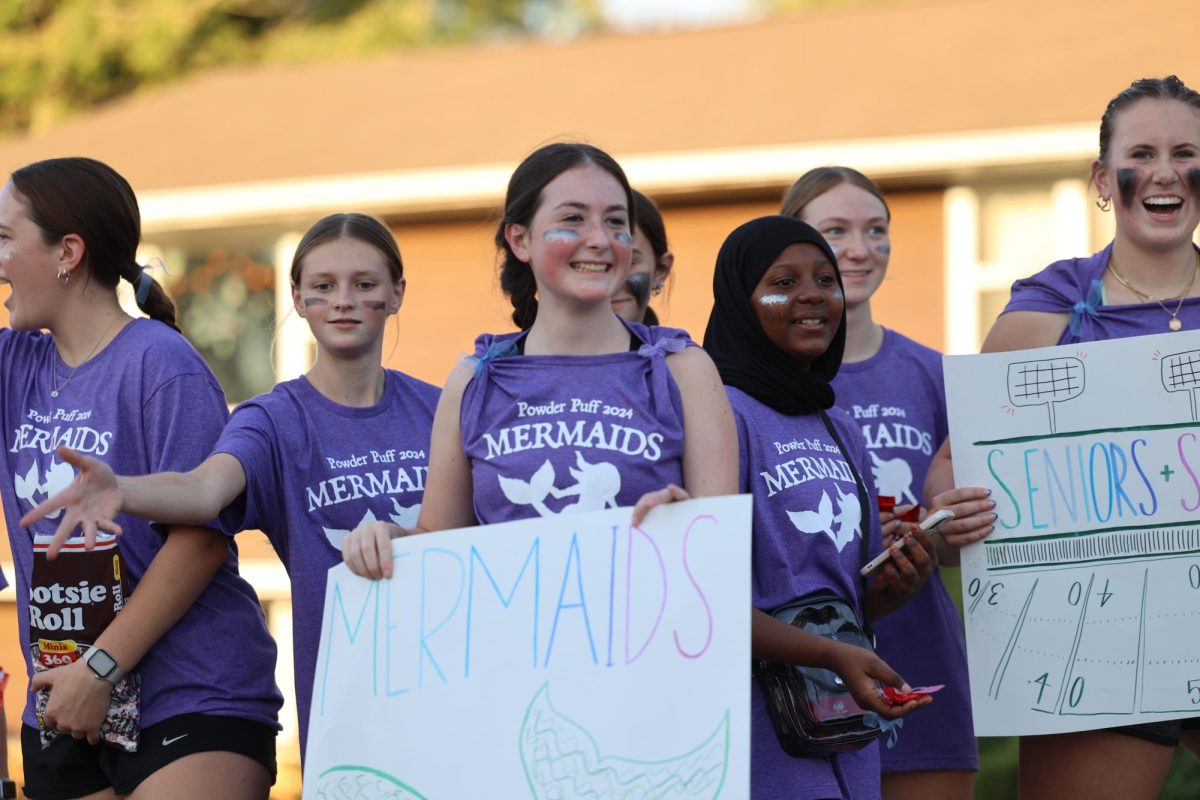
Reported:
(101, 662)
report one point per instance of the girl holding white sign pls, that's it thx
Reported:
(310, 460)
(579, 410)
(777, 332)
(133, 393)
(884, 371)
(1144, 282)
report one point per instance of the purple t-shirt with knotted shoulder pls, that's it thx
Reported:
(557, 434)
(1074, 287)
(808, 538)
(897, 397)
(315, 470)
(145, 403)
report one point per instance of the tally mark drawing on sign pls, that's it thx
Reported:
(562, 761)
(1181, 373)
(596, 486)
(1045, 382)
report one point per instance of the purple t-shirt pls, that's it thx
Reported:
(314, 471)
(557, 434)
(807, 539)
(898, 398)
(1074, 287)
(145, 403)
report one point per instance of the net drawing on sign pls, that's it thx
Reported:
(1045, 382)
(1181, 373)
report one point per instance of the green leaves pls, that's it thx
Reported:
(60, 57)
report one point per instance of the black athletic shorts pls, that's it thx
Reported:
(71, 767)
(1165, 733)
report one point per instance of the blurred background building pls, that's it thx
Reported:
(978, 119)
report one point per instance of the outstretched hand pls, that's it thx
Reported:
(862, 671)
(91, 502)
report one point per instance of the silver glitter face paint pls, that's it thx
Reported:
(884, 249)
(638, 285)
(772, 299)
(624, 238)
(560, 235)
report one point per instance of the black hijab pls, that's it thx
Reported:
(744, 356)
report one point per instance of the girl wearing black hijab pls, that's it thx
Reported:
(776, 334)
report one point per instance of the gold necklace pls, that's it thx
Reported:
(54, 372)
(1175, 324)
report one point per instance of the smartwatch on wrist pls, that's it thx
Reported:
(103, 665)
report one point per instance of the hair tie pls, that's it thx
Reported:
(143, 281)
(501, 349)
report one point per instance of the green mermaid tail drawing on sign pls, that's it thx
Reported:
(562, 762)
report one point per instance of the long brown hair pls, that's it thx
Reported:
(90, 199)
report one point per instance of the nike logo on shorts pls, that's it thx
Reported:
(167, 742)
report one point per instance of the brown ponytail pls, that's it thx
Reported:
(91, 200)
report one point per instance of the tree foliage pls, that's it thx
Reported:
(62, 56)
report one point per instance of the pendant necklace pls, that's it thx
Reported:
(54, 372)
(1174, 323)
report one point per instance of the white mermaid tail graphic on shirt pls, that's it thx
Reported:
(405, 517)
(841, 527)
(893, 478)
(30, 488)
(596, 485)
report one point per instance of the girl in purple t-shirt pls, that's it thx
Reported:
(134, 394)
(316, 456)
(579, 410)
(1146, 281)
(650, 265)
(892, 388)
(776, 333)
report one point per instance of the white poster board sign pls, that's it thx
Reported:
(565, 657)
(1083, 607)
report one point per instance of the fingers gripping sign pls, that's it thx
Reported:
(90, 503)
(367, 550)
(668, 494)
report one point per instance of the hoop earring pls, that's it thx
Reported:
(1104, 203)
(63, 276)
